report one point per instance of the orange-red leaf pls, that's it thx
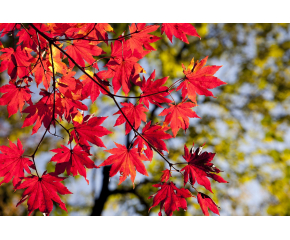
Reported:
(166, 175)
(206, 202)
(89, 131)
(179, 30)
(14, 97)
(73, 161)
(177, 116)
(134, 114)
(154, 91)
(170, 198)
(126, 161)
(154, 134)
(198, 79)
(40, 192)
(200, 167)
(12, 163)
(81, 50)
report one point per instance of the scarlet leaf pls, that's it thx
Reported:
(17, 62)
(134, 114)
(81, 50)
(89, 131)
(198, 79)
(101, 31)
(126, 161)
(122, 67)
(170, 198)
(177, 116)
(206, 202)
(140, 37)
(40, 192)
(42, 73)
(200, 167)
(179, 30)
(29, 38)
(42, 112)
(73, 161)
(12, 163)
(14, 97)
(153, 134)
(92, 89)
(154, 91)
(166, 175)
(6, 28)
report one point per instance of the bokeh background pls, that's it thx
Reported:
(246, 125)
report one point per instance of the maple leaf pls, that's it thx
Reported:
(40, 192)
(177, 116)
(122, 67)
(198, 79)
(206, 202)
(153, 134)
(179, 30)
(17, 62)
(42, 111)
(134, 114)
(155, 91)
(166, 175)
(89, 130)
(126, 161)
(29, 38)
(92, 89)
(42, 73)
(200, 167)
(81, 50)
(140, 37)
(73, 161)
(6, 28)
(170, 198)
(57, 56)
(101, 31)
(14, 97)
(12, 163)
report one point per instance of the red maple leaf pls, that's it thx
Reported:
(177, 116)
(134, 114)
(166, 175)
(14, 97)
(170, 198)
(7, 28)
(81, 50)
(42, 111)
(206, 202)
(73, 161)
(126, 161)
(12, 163)
(198, 79)
(92, 89)
(101, 32)
(29, 38)
(89, 131)
(17, 62)
(140, 37)
(154, 91)
(123, 67)
(153, 134)
(42, 191)
(42, 73)
(200, 167)
(179, 30)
